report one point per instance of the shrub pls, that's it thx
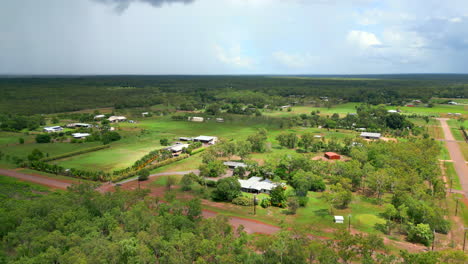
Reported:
(420, 233)
(265, 203)
(303, 200)
(43, 138)
(242, 200)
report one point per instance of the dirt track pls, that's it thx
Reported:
(43, 180)
(456, 155)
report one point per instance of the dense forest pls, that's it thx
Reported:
(84, 226)
(33, 95)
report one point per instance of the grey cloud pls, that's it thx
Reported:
(122, 5)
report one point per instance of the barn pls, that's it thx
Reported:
(332, 156)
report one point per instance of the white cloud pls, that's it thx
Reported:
(363, 39)
(233, 56)
(455, 20)
(293, 60)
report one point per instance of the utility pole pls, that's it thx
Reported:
(255, 204)
(464, 238)
(456, 208)
(433, 239)
(349, 223)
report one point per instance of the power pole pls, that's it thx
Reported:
(433, 239)
(349, 223)
(456, 208)
(255, 204)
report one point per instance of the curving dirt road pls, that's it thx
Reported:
(456, 155)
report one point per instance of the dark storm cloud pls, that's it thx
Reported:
(121, 5)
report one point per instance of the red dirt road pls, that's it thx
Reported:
(456, 155)
(43, 180)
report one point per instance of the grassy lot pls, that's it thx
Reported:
(343, 109)
(464, 149)
(455, 128)
(452, 175)
(14, 188)
(51, 149)
(433, 127)
(444, 155)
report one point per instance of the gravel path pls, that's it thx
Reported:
(456, 155)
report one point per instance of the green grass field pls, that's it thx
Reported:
(444, 154)
(452, 175)
(343, 109)
(14, 188)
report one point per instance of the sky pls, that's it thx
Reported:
(233, 36)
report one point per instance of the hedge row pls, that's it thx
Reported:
(465, 135)
(116, 178)
(196, 151)
(74, 153)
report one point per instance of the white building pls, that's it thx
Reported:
(196, 119)
(206, 139)
(220, 120)
(233, 164)
(257, 185)
(369, 135)
(177, 148)
(53, 129)
(80, 135)
(339, 219)
(452, 103)
(116, 119)
(99, 116)
(79, 125)
(392, 111)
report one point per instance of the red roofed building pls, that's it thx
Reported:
(332, 156)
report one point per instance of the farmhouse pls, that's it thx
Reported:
(116, 119)
(332, 156)
(144, 114)
(80, 135)
(99, 116)
(177, 148)
(233, 164)
(196, 119)
(53, 129)
(206, 139)
(257, 185)
(369, 135)
(79, 125)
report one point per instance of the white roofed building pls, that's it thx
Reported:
(257, 185)
(99, 116)
(80, 135)
(234, 164)
(206, 139)
(116, 119)
(370, 135)
(53, 129)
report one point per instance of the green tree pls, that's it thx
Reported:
(36, 154)
(227, 189)
(164, 142)
(21, 141)
(212, 169)
(43, 138)
(143, 175)
(420, 233)
(278, 196)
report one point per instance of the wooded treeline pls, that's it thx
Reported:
(61, 94)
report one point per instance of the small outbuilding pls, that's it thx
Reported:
(332, 156)
(196, 119)
(99, 116)
(80, 135)
(338, 219)
(220, 120)
(369, 135)
(185, 139)
(234, 164)
(116, 119)
(53, 129)
(206, 139)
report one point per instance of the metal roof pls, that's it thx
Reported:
(256, 183)
(204, 138)
(235, 164)
(368, 134)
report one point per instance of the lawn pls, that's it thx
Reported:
(464, 149)
(51, 149)
(452, 175)
(14, 188)
(346, 108)
(455, 128)
(444, 154)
